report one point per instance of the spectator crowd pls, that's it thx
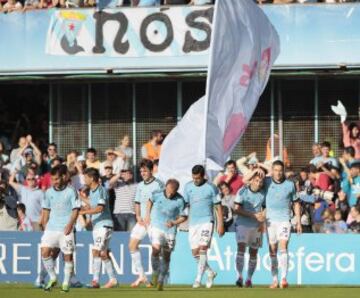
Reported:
(328, 187)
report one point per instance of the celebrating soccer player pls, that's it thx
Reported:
(201, 197)
(144, 192)
(280, 193)
(60, 208)
(249, 205)
(98, 208)
(165, 211)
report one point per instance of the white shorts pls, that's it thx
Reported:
(54, 239)
(159, 237)
(277, 231)
(101, 238)
(200, 235)
(251, 236)
(139, 232)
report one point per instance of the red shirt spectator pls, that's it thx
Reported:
(232, 178)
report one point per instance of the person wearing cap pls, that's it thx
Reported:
(351, 183)
(247, 163)
(114, 160)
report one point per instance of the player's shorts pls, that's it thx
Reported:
(159, 237)
(139, 232)
(277, 231)
(201, 234)
(251, 236)
(57, 239)
(102, 238)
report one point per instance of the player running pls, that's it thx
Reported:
(280, 193)
(165, 210)
(144, 192)
(201, 197)
(60, 208)
(98, 208)
(249, 205)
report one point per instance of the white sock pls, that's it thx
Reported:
(136, 260)
(109, 268)
(68, 269)
(274, 267)
(284, 262)
(240, 263)
(202, 265)
(49, 265)
(155, 262)
(251, 267)
(96, 268)
(43, 273)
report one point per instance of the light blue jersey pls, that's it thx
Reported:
(250, 201)
(61, 204)
(278, 200)
(144, 192)
(201, 200)
(99, 196)
(165, 210)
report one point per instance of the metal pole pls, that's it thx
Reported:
(51, 108)
(316, 119)
(281, 128)
(272, 117)
(134, 127)
(89, 116)
(179, 101)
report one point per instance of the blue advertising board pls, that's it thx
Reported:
(161, 39)
(321, 259)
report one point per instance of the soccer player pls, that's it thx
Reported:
(249, 205)
(201, 197)
(144, 192)
(60, 208)
(280, 193)
(98, 208)
(165, 210)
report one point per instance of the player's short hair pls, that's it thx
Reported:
(93, 173)
(230, 162)
(57, 170)
(350, 150)
(174, 183)
(223, 183)
(147, 163)
(198, 169)
(278, 163)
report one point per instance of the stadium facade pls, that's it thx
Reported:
(83, 78)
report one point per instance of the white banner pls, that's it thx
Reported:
(244, 47)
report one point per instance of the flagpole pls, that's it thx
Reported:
(216, 8)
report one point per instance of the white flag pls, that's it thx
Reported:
(244, 47)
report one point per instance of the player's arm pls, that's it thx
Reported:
(70, 226)
(297, 210)
(98, 209)
(260, 217)
(249, 175)
(220, 219)
(149, 206)
(176, 222)
(45, 217)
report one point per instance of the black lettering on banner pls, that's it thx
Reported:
(169, 32)
(191, 44)
(72, 50)
(101, 17)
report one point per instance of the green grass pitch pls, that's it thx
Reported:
(124, 291)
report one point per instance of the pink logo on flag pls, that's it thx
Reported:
(234, 130)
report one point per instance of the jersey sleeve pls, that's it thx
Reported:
(102, 197)
(46, 202)
(138, 194)
(75, 202)
(239, 199)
